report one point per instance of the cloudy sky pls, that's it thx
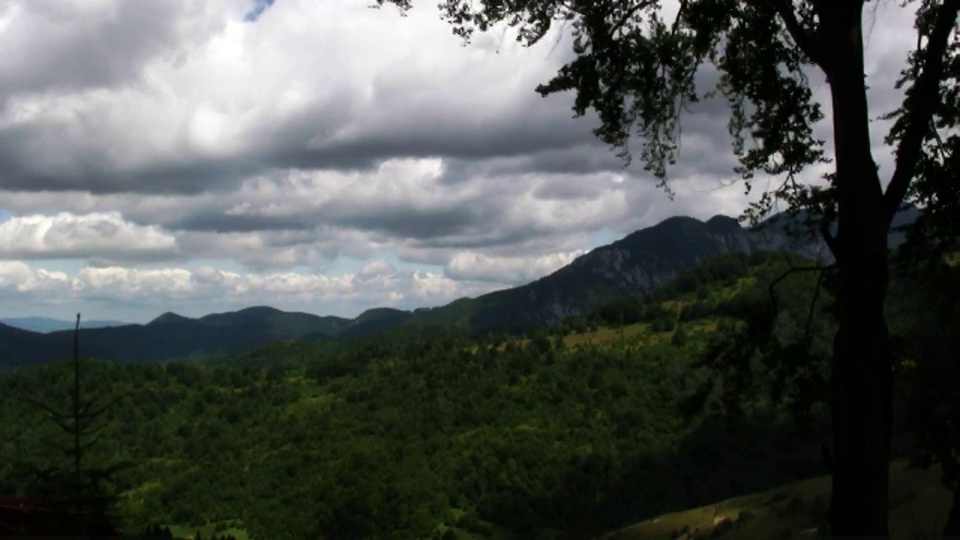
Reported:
(314, 155)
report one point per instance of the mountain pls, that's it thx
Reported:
(632, 266)
(173, 336)
(46, 324)
(16, 343)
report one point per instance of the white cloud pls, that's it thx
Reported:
(130, 283)
(68, 235)
(138, 136)
(472, 266)
(16, 276)
(197, 291)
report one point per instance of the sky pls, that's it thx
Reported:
(315, 155)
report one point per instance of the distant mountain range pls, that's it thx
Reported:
(172, 336)
(634, 265)
(46, 324)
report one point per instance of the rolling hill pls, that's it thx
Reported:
(173, 336)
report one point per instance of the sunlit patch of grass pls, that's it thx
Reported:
(676, 305)
(704, 326)
(606, 334)
(919, 507)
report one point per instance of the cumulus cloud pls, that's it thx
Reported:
(116, 282)
(201, 98)
(138, 136)
(193, 291)
(17, 276)
(474, 266)
(66, 235)
(88, 45)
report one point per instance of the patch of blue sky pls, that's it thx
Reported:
(259, 6)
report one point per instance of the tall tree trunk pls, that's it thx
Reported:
(862, 374)
(952, 528)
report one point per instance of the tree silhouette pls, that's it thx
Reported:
(638, 65)
(76, 488)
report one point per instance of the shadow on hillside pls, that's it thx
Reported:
(715, 461)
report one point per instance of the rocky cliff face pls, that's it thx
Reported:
(651, 257)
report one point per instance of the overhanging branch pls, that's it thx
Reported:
(790, 272)
(920, 107)
(629, 13)
(801, 36)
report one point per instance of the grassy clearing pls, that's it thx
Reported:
(919, 507)
(605, 334)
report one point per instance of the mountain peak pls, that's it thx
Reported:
(169, 317)
(724, 223)
(250, 315)
(259, 310)
(678, 221)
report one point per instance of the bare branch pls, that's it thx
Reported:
(941, 148)
(920, 106)
(680, 12)
(801, 36)
(788, 273)
(89, 444)
(630, 13)
(92, 415)
(49, 410)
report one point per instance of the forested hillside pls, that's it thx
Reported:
(565, 432)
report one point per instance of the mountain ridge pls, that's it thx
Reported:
(634, 265)
(50, 324)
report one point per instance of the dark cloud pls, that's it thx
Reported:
(285, 142)
(57, 46)
(409, 223)
(33, 159)
(222, 222)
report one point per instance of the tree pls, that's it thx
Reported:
(81, 481)
(639, 71)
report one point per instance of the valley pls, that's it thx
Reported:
(420, 430)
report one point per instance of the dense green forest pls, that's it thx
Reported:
(636, 409)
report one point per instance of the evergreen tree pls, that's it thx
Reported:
(77, 488)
